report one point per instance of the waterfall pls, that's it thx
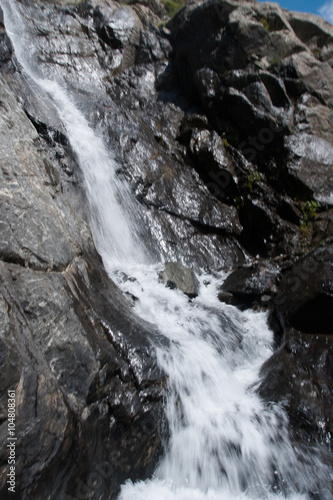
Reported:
(109, 198)
(225, 443)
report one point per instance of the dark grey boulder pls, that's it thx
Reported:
(310, 162)
(177, 276)
(249, 285)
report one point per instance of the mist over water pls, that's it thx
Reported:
(225, 442)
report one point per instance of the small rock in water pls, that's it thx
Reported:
(177, 276)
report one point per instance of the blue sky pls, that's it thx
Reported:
(320, 7)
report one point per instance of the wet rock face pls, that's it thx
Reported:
(264, 78)
(300, 372)
(96, 50)
(91, 394)
(299, 375)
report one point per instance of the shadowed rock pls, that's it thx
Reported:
(305, 295)
(300, 372)
(249, 285)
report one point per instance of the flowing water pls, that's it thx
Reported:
(109, 198)
(225, 442)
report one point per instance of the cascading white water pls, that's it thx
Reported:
(109, 198)
(225, 443)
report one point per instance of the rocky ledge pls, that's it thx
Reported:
(221, 123)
